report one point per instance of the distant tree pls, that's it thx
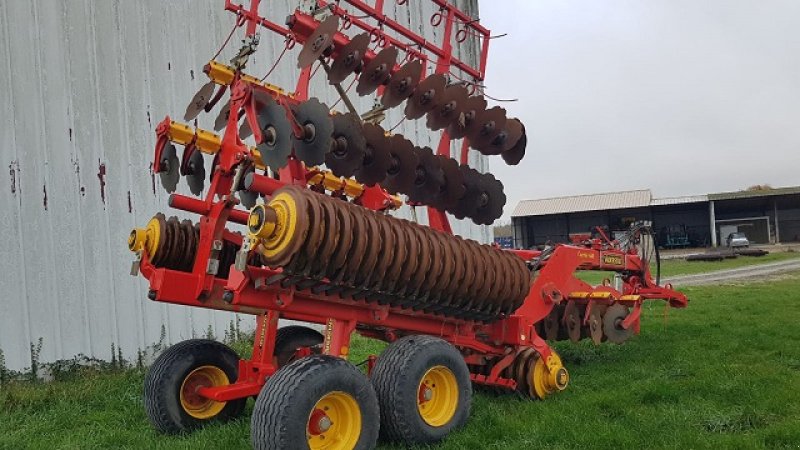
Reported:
(503, 229)
(759, 187)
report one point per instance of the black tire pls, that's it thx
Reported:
(164, 379)
(397, 377)
(289, 339)
(286, 402)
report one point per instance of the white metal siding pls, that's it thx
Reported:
(82, 85)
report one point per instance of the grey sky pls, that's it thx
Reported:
(680, 96)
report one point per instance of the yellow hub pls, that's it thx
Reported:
(548, 376)
(437, 396)
(195, 404)
(274, 225)
(146, 238)
(334, 423)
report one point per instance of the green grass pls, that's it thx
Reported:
(723, 373)
(674, 267)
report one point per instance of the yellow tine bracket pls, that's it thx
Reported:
(223, 74)
(208, 142)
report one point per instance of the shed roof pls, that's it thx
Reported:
(578, 203)
(679, 200)
(754, 194)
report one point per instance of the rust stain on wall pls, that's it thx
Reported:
(101, 175)
(44, 201)
(13, 168)
(130, 204)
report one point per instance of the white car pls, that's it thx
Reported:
(738, 240)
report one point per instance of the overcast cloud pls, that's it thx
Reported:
(682, 97)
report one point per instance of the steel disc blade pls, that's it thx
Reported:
(468, 203)
(247, 198)
(244, 130)
(449, 107)
(169, 167)
(196, 173)
(470, 108)
(276, 133)
(315, 119)
(515, 154)
(426, 96)
(491, 200)
(199, 101)
(349, 145)
(377, 71)
(486, 126)
(376, 160)
(453, 188)
(319, 41)
(401, 173)
(222, 117)
(402, 84)
(349, 58)
(428, 178)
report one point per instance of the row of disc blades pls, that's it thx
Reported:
(446, 106)
(177, 246)
(343, 249)
(365, 151)
(566, 321)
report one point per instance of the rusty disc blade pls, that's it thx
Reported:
(453, 187)
(449, 107)
(486, 126)
(345, 230)
(426, 96)
(428, 177)
(490, 201)
(276, 134)
(468, 111)
(572, 320)
(169, 167)
(349, 145)
(514, 155)
(506, 139)
(377, 72)
(349, 58)
(401, 172)
(552, 323)
(596, 324)
(402, 84)
(376, 160)
(199, 101)
(612, 324)
(196, 173)
(315, 119)
(319, 41)
(468, 203)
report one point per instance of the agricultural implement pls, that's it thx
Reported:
(314, 195)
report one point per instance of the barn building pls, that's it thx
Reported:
(769, 216)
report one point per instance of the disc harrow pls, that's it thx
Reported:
(322, 247)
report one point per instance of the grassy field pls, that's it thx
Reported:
(724, 373)
(674, 267)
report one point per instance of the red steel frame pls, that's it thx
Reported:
(250, 291)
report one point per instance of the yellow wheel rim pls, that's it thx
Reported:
(283, 233)
(437, 396)
(195, 404)
(334, 423)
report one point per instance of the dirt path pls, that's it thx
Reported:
(748, 272)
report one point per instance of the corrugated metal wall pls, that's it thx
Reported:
(82, 85)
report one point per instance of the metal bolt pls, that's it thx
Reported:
(427, 394)
(324, 424)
